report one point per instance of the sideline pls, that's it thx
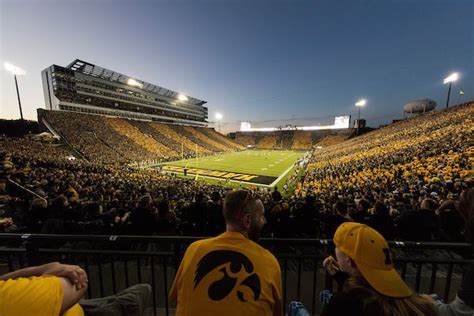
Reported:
(281, 176)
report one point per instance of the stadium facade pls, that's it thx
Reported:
(87, 88)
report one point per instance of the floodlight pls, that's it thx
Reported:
(361, 102)
(218, 116)
(134, 83)
(182, 97)
(14, 69)
(451, 78)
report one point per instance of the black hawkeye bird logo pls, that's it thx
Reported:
(218, 290)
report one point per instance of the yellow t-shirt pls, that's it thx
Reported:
(38, 296)
(227, 275)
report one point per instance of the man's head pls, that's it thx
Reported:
(360, 250)
(429, 204)
(244, 212)
(340, 208)
(363, 205)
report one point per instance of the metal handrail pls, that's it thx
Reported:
(265, 241)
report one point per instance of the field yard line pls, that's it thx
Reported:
(281, 176)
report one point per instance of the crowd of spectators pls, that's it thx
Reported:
(407, 174)
(116, 141)
(302, 140)
(211, 133)
(267, 142)
(205, 140)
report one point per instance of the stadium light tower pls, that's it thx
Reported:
(15, 71)
(450, 79)
(182, 97)
(219, 118)
(359, 104)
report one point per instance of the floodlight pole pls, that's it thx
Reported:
(449, 94)
(18, 95)
(358, 120)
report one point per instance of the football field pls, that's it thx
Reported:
(259, 167)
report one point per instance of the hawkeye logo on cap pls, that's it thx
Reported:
(229, 263)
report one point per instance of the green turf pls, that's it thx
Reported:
(258, 162)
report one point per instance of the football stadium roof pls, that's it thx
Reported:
(100, 72)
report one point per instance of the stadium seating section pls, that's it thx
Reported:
(116, 140)
(294, 139)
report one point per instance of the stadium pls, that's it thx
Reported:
(128, 199)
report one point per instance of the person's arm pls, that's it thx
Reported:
(75, 274)
(456, 308)
(71, 294)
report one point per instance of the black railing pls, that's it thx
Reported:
(114, 263)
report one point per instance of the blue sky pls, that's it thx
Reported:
(251, 60)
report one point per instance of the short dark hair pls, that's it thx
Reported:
(340, 207)
(238, 203)
(429, 204)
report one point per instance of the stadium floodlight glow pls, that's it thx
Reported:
(182, 97)
(450, 79)
(219, 118)
(134, 83)
(361, 102)
(15, 71)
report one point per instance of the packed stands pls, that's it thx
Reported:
(191, 135)
(211, 133)
(423, 157)
(267, 142)
(118, 140)
(187, 145)
(246, 139)
(125, 128)
(293, 139)
(146, 129)
(204, 139)
(302, 140)
(399, 166)
(403, 180)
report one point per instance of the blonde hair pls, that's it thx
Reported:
(375, 303)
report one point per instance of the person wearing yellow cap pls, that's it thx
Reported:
(370, 283)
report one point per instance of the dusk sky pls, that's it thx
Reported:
(251, 60)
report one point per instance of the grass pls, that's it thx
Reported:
(258, 162)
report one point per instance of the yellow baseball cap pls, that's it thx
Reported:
(373, 258)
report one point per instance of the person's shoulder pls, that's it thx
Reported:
(265, 254)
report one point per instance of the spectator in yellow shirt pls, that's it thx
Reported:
(230, 274)
(50, 290)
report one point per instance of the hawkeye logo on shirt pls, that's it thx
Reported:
(229, 263)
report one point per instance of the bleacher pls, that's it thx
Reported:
(293, 139)
(119, 140)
